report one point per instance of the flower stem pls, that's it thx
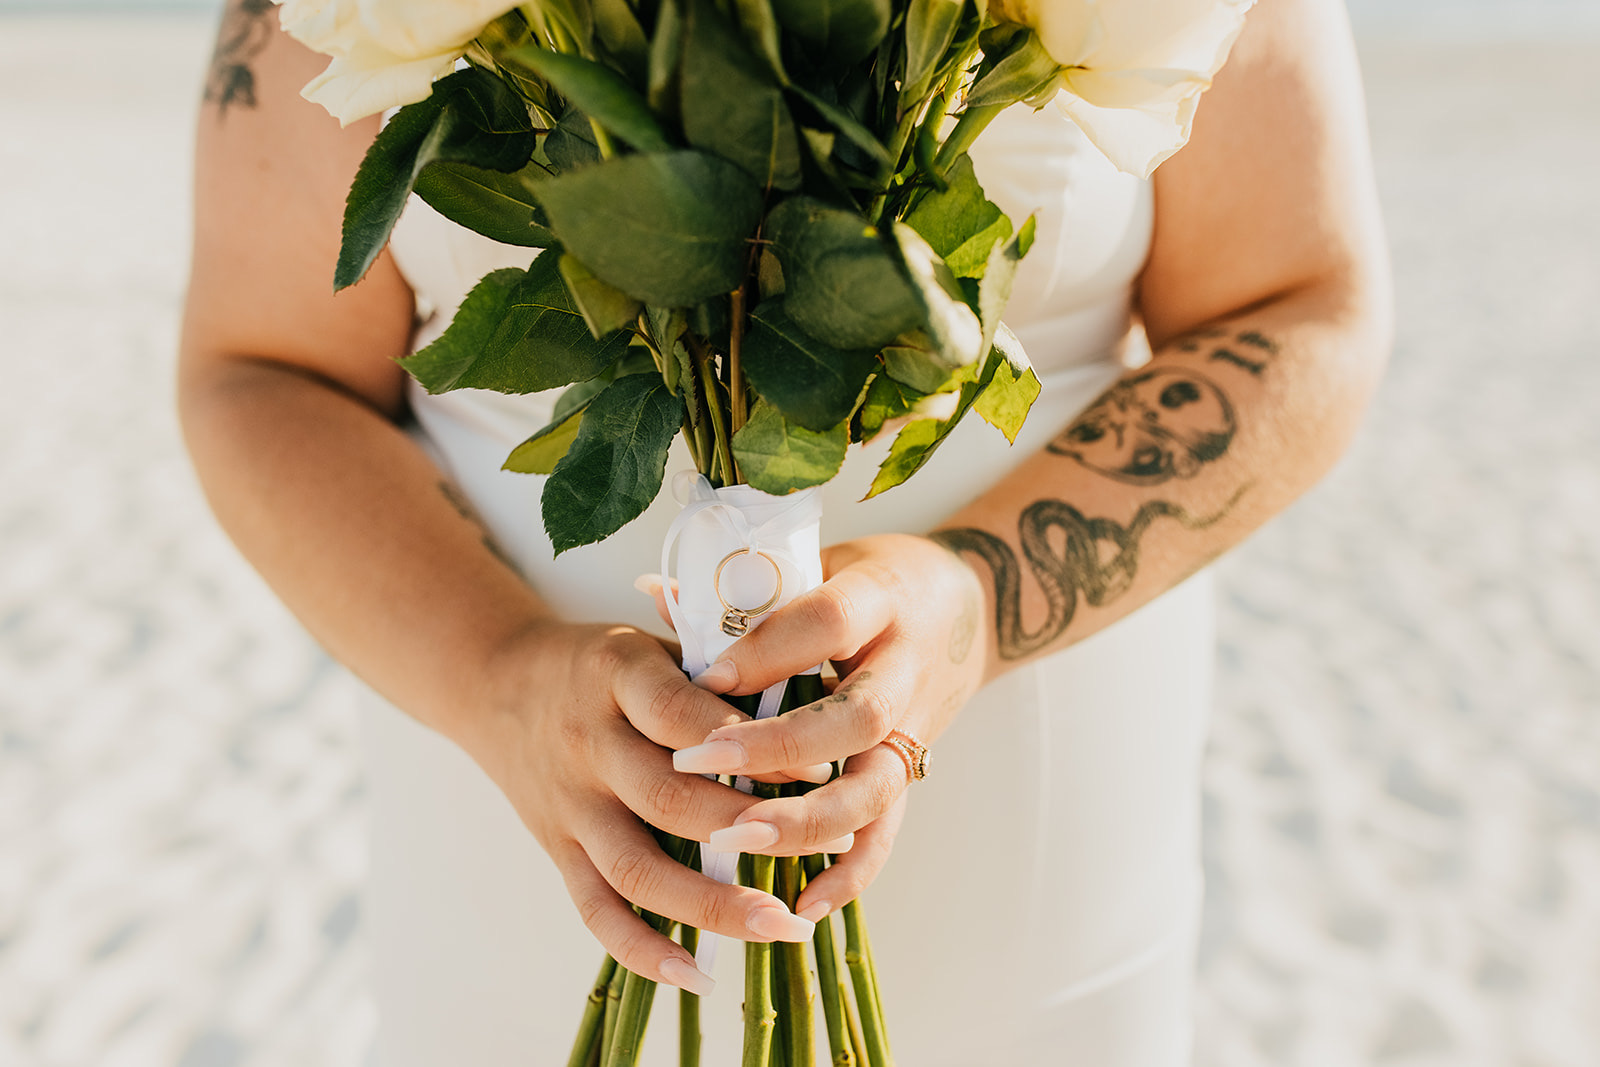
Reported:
(593, 1016)
(826, 954)
(713, 409)
(858, 956)
(973, 121)
(613, 1003)
(689, 1010)
(759, 1015)
(800, 1013)
(633, 1012)
(736, 398)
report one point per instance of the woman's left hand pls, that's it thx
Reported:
(900, 618)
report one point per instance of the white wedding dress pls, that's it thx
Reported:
(1043, 897)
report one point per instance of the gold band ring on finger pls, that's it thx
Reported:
(736, 621)
(912, 751)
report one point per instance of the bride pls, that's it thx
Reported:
(1037, 616)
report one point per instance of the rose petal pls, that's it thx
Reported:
(371, 79)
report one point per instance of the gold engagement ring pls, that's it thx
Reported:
(736, 621)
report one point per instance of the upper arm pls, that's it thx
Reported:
(271, 174)
(1274, 193)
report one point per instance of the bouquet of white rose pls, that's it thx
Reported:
(758, 227)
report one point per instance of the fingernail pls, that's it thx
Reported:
(816, 774)
(816, 911)
(778, 925)
(721, 756)
(648, 584)
(718, 678)
(685, 975)
(838, 845)
(745, 837)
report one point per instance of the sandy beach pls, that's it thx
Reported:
(1403, 782)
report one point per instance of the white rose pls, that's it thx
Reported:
(385, 52)
(1135, 69)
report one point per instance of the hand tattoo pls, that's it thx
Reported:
(246, 29)
(1082, 565)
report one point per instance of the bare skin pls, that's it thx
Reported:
(1266, 229)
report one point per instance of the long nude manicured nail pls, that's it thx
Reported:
(721, 756)
(686, 975)
(648, 584)
(779, 925)
(816, 911)
(816, 774)
(718, 678)
(744, 837)
(838, 845)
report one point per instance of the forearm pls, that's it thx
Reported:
(1137, 494)
(358, 534)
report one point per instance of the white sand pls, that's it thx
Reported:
(1404, 785)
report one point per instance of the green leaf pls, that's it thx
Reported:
(914, 361)
(916, 442)
(760, 28)
(1005, 402)
(1025, 72)
(732, 105)
(960, 223)
(615, 465)
(994, 289)
(576, 396)
(779, 456)
(666, 326)
(570, 145)
(666, 59)
(668, 228)
(600, 93)
(951, 330)
(886, 399)
(843, 284)
(500, 206)
(849, 127)
(842, 31)
(814, 384)
(618, 29)
(540, 453)
(516, 332)
(930, 28)
(605, 308)
(472, 117)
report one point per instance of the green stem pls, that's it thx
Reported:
(632, 1014)
(858, 957)
(972, 122)
(594, 1012)
(759, 1015)
(853, 1021)
(613, 1003)
(826, 953)
(689, 1010)
(801, 1012)
(708, 383)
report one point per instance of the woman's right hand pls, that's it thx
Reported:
(580, 737)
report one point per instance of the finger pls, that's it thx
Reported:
(792, 826)
(665, 706)
(854, 717)
(643, 778)
(831, 622)
(850, 874)
(631, 862)
(627, 937)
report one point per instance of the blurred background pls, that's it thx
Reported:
(1403, 784)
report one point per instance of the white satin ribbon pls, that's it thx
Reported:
(714, 524)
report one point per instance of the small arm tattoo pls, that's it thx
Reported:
(246, 29)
